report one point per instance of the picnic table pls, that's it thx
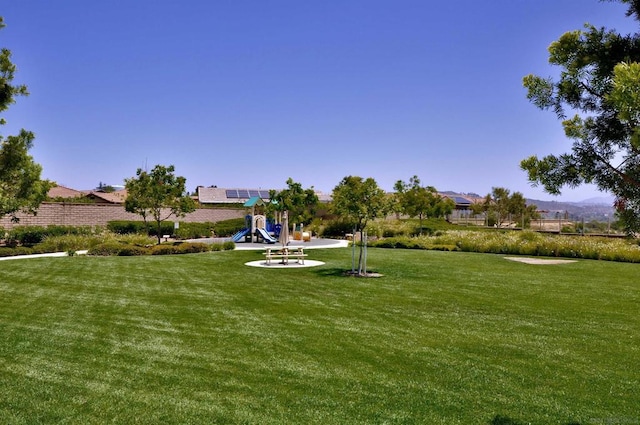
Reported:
(285, 253)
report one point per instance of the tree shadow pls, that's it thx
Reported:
(333, 271)
(506, 420)
(337, 272)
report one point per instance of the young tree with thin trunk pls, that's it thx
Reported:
(158, 195)
(503, 207)
(419, 201)
(359, 201)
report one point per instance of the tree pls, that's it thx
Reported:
(158, 195)
(415, 200)
(301, 203)
(502, 206)
(359, 201)
(600, 82)
(21, 188)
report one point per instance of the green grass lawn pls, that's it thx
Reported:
(441, 338)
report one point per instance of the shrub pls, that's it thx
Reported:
(132, 250)
(26, 235)
(521, 243)
(11, 252)
(164, 249)
(229, 227)
(115, 247)
(64, 243)
(106, 248)
(195, 230)
(123, 227)
(229, 246)
(179, 248)
(216, 247)
(406, 242)
(31, 235)
(192, 247)
(337, 228)
(424, 230)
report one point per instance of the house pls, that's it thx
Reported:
(117, 197)
(67, 194)
(63, 192)
(216, 195)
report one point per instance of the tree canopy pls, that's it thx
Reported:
(419, 201)
(158, 195)
(359, 200)
(501, 206)
(299, 202)
(21, 188)
(599, 84)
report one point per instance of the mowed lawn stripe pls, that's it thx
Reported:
(440, 338)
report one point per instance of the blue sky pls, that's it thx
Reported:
(247, 93)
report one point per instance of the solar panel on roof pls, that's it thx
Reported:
(243, 193)
(253, 193)
(232, 193)
(460, 200)
(264, 194)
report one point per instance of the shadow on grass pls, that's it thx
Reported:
(336, 272)
(333, 271)
(505, 420)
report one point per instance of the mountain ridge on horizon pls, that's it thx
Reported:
(597, 200)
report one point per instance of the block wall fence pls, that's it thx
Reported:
(66, 214)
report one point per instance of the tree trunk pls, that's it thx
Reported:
(361, 252)
(158, 231)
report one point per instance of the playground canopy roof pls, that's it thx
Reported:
(253, 201)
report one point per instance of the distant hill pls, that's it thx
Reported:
(600, 209)
(602, 200)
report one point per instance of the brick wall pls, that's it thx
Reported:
(65, 214)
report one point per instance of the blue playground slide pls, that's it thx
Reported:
(241, 234)
(266, 236)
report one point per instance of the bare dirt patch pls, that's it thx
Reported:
(539, 260)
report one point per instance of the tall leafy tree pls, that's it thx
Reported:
(359, 201)
(599, 83)
(420, 201)
(158, 195)
(301, 203)
(21, 188)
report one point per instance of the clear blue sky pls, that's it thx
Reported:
(247, 93)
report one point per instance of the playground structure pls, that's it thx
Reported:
(258, 228)
(299, 234)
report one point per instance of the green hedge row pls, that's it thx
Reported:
(115, 248)
(223, 228)
(125, 227)
(31, 235)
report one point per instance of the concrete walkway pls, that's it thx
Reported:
(313, 243)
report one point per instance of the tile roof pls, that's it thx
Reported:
(117, 197)
(64, 192)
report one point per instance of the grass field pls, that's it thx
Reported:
(441, 338)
